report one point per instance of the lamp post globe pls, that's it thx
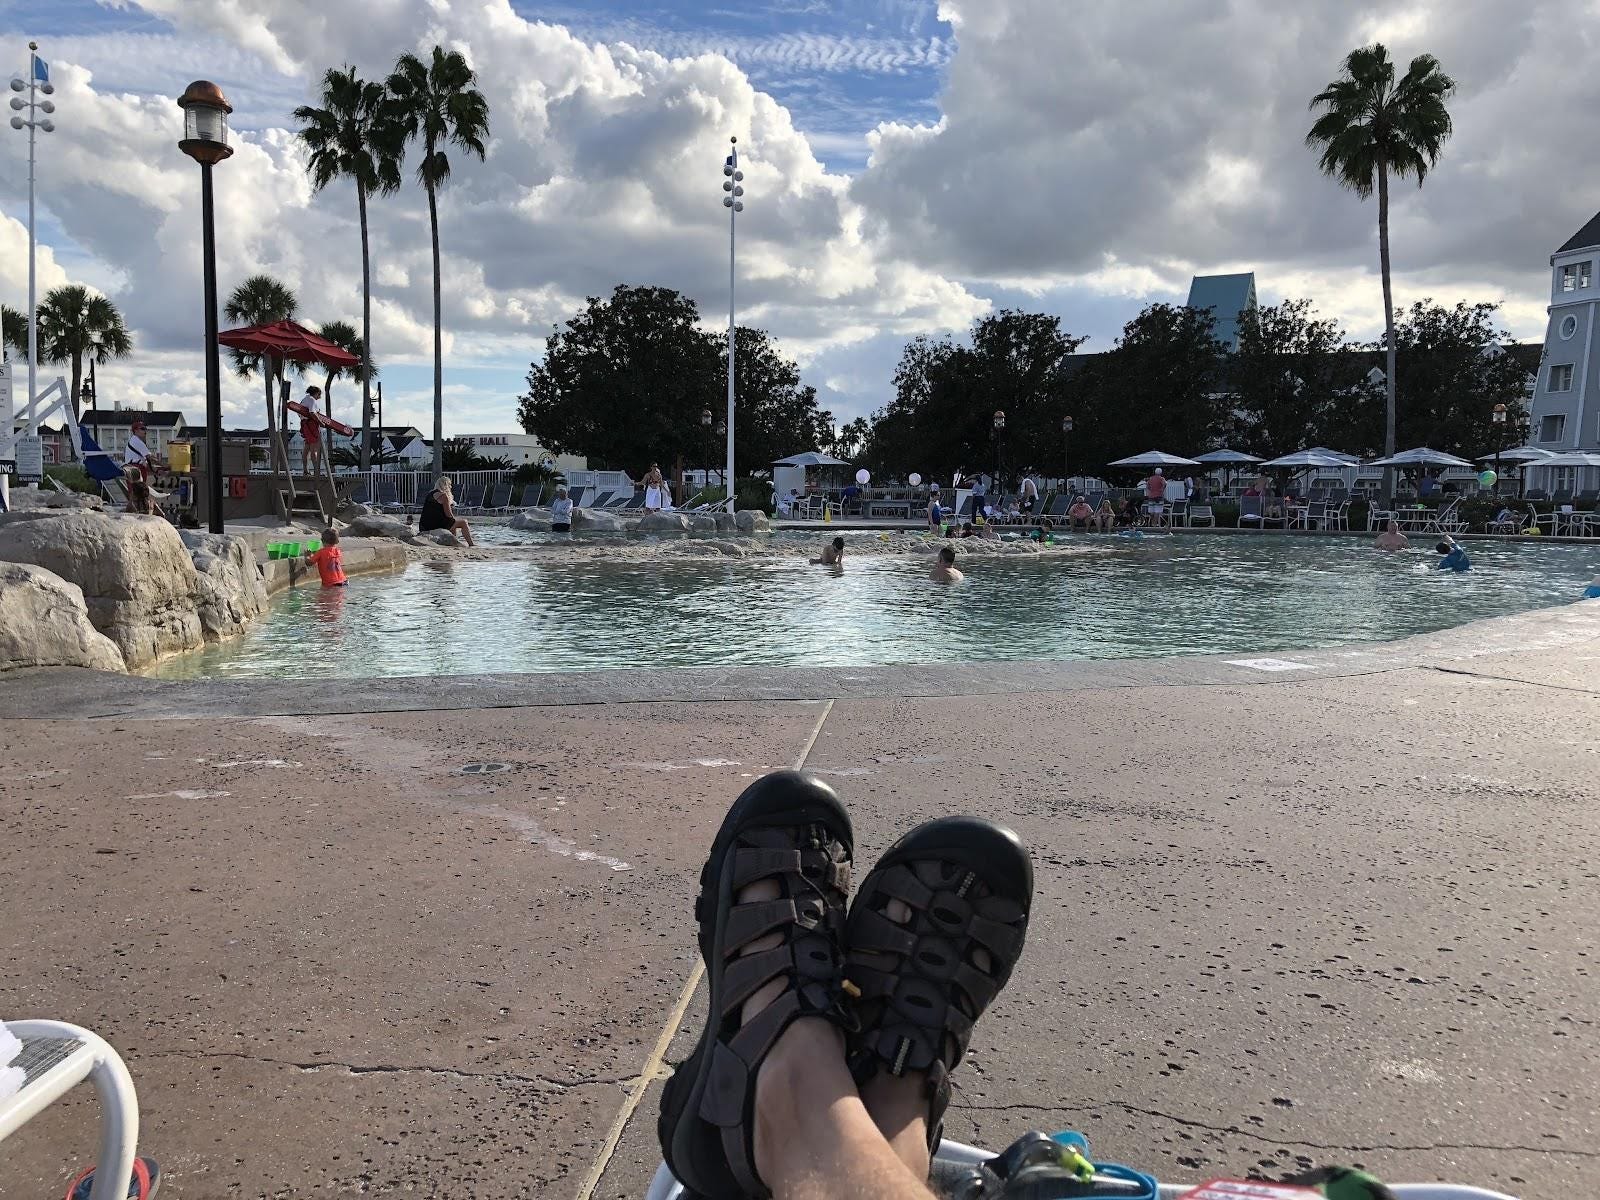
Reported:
(205, 139)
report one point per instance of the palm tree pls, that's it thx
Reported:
(74, 322)
(13, 331)
(1370, 125)
(352, 137)
(343, 335)
(260, 300)
(436, 102)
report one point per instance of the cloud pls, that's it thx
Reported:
(1075, 140)
(603, 167)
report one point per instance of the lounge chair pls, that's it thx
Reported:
(470, 499)
(601, 500)
(1201, 512)
(1059, 503)
(1447, 519)
(531, 495)
(499, 499)
(386, 496)
(1312, 516)
(1250, 511)
(1514, 522)
(576, 495)
(635, 502)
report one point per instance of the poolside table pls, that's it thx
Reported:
(1574, 523)
(889, 508)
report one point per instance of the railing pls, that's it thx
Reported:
(412, 486)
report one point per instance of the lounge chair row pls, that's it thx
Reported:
(476, 499)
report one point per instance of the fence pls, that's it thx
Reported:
(414, 485)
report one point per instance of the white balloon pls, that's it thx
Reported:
(915, 479)
(863, 475)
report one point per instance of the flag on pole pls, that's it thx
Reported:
(41, 70)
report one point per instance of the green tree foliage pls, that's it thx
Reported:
(13, 331)
(437, 104)
(343, 335)
(1452, 372)
(260, 300)
(1295, 385)
(941, 419)
(850, 440)
(775, 415)
(632, 378)
(461, 454)
(76, 323)
(353, 136)
(1161, 386)
(1369, 126)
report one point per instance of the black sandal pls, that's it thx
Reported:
(792, 828)
(969, 885)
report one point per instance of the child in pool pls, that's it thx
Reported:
(329, 560)
(1592, 592)
(1455, 558)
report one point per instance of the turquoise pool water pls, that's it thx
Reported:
(1107, 599)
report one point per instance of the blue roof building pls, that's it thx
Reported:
(1226, 296)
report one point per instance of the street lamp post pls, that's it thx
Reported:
(205, 139)
(37, 84)
(1499, 418)
(735, 206)
(1066, 450)
(999, 432)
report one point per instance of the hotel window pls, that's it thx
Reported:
(1551, 428)
(1575, 276)
(1561, 377)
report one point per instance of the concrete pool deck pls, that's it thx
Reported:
(1338, 910)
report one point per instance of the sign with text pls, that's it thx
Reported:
(30, 456)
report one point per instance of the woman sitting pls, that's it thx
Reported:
(439, 511)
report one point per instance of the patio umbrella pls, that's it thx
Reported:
(287, 340)
(1522, 454)
(1226, 457)
(1570, 458)
(1420, 457)
(1155, 458)
(1349, 460)
(811, 458)
(1301, 459)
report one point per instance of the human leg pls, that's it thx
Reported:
(934, 934)
(460, 526)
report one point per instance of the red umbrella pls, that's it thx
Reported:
(287, 340)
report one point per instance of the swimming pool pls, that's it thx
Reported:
(1108, 598)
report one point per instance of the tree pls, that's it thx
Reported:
(1370, 125)
(437, 103)
(75, 322)
(13, 331)
(260, 300)
(352, 137)
(1159, 387)
(461, 454)
(343, 335)
(625, 381)
(775, 415)
(1293, 381)
(1452, 374)
(850, 440)
(941, 419)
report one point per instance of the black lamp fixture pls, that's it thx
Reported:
(205, 139)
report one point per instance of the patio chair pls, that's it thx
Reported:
(601, 499)
(1339, 514)
(1586, 498)
(1201, 513)
(1312, 516)
(619, 501)
(1178, 512)
(1250, 512)
(1513, 522)
(386, 495)
(361, 493)
(576, 495)
(634, 503)
(1378, 517)
(1447, 519)
(499, 499)
(531, 495)
(471, 498)
(1059, 503)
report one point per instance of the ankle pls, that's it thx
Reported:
(802, 1075)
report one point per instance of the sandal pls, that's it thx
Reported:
(791, 828)
(969, 885)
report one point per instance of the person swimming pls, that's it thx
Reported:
(944, 571)
(832, 554)
(1391, 538)
(1455, 558)
(1592, 592)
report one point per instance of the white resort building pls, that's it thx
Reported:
(1565, 414)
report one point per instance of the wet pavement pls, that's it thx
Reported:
(1282, 916)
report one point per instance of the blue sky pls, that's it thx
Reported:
(1081, 159)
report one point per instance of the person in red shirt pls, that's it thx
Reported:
(1155, 488)
(329, 560)
(311, 432)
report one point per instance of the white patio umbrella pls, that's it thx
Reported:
(1569, 458)
(1521, 454)
(1349, 460)
(1226, 457)
(1155, 458)
(1301, 459)
(811, 458)
(1422, 456)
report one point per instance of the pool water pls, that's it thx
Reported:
(1109, 598)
